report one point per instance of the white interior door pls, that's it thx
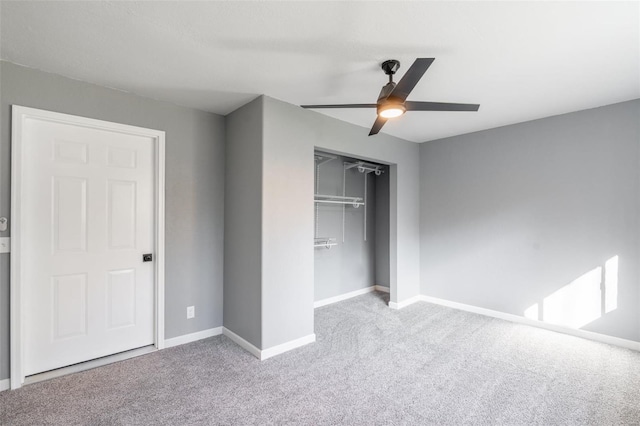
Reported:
(87, 219)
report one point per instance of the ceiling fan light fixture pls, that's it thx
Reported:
(391, 110)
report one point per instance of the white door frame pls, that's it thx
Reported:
(19, 115)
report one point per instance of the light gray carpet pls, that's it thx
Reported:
(425, 364)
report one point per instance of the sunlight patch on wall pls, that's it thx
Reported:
(583, 300)
(576, 304)
(532, 312)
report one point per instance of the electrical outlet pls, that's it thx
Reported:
(191, 312)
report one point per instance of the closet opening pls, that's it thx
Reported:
(351, 235)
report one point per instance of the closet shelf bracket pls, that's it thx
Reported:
(322, 158)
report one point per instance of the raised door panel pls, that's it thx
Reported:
(69, 214)
(121, 212)
(69, 308)
(121, 298)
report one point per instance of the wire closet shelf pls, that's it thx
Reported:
(343, 200)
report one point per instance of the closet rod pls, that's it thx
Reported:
(338, 199)
(365, 167)
(355, 204)
(325, 242)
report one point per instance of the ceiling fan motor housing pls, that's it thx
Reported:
(386, 91)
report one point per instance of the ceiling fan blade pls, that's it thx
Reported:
(439, 106)
(411, 78)
(341, 106)
(377, 125)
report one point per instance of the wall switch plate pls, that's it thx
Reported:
(5, 244)
(191, 312)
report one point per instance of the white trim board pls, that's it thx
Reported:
(602, 338)
(192, 337)
(345, 296)
(405, 303)
(19, 115)
(286, 347)
(241, 342)
(5, 384)
(269, 352)
(341, 297)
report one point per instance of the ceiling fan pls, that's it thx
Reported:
(392, 101)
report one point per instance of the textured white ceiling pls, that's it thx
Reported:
(519, 60)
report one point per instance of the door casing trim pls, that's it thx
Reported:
(19, 115)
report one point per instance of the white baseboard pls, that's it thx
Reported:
(285, 347)
(342, 297)
(405, 303)
(269, 352)
(241, 342)
(603, 338)
(192, 337)
(5, 384)
(381, 288)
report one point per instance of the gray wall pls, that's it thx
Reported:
(511, 215)
(194, 187)
(243, 223)
(350, 265)
(287, 228)
(290, 135)
(382, 273)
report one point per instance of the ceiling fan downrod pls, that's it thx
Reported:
(390, 67)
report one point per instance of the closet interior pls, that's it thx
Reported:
(351, 235)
